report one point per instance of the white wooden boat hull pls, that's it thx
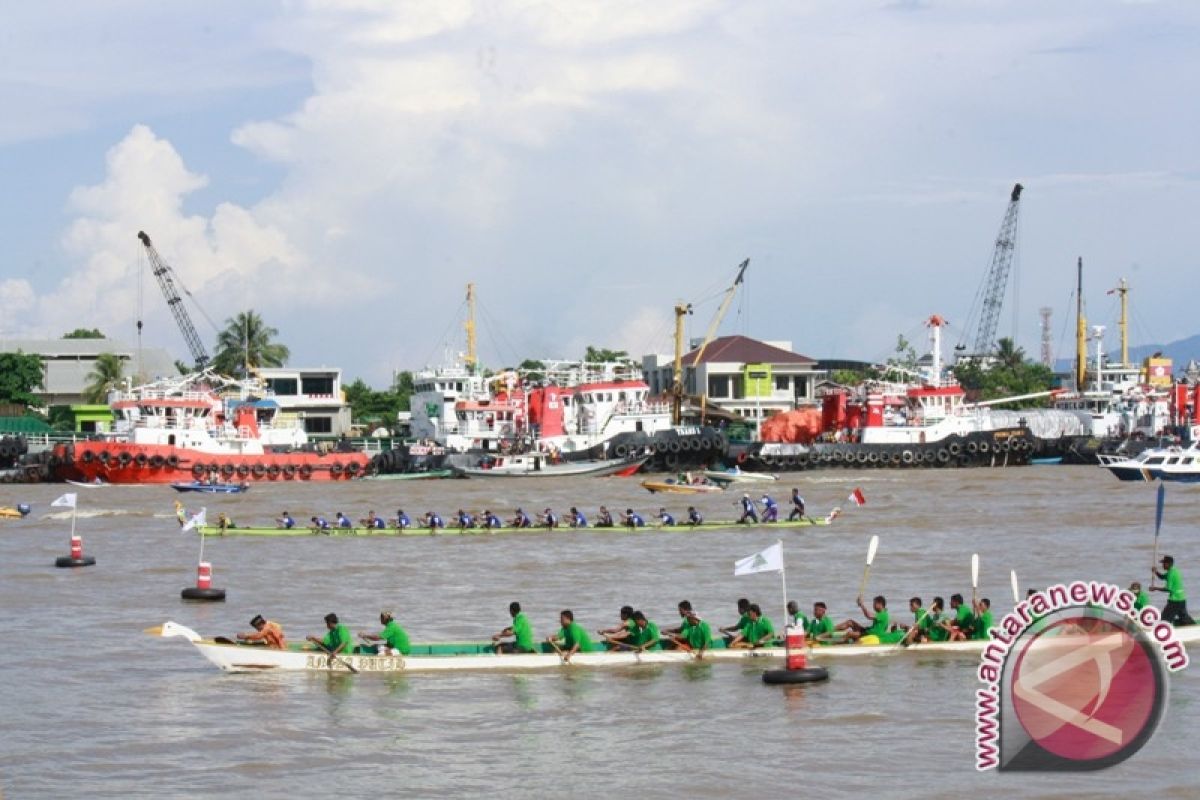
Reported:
(241, 658)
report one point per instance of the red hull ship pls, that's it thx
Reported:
(201, 427)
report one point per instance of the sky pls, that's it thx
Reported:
(346, 167)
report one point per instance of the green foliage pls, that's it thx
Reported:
(599, 355)
(905, 355)
(20, 374)
(84, 333)
(247, 341)
(182, 368)
(373, 406)
(852, 377)
(60, 418)
(532, 370)
(105, 376)
(1008, 375)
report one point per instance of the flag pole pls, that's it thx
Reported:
(73, 520)
(200, 531)
(783, 581)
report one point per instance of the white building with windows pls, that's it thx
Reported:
(745, 376)
(311, 396)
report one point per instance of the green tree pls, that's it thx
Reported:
(20, 374)
(1008, 354)
(105, 376)
(84, 333)
(1008, 375)
(247, 343)
(532, 370)
(600, 355)
(379, 406)
(905, 355)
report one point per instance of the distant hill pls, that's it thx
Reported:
(1180, 353)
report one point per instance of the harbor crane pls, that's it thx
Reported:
(996, 281)
(166, 281)
(681, 311)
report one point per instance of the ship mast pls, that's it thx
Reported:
(472, 359)
(681, 311)
(1122, 291)
(1080, 331)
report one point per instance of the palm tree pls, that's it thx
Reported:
(246, 344)
(106, 375)
(1008, 354)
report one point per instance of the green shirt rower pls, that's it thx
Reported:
(392, 637)
(1141, 598)
(644, 635)
(337, 638)
(572, 635)
(758, 631)
(521, 630)
(983, 620)
(821, 623)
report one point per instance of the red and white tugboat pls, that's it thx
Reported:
(201, 426)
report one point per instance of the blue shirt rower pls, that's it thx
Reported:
(464, 520)
(770, 509)
(286, 521)
(320, 524)
(665, 518)
(550, 519)
(578, 520)
(521, 520)
(797, 506)
(343, 521)
(433, 521)
(632, 520)
(749, 511)
(694, 517)
(402, 520)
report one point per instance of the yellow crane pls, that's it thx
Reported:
(681, 311)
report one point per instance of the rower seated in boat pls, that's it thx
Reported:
(372, 522)
(337, 639)
(392, 640)
(631, 520)
(912, 632)
(878, 617)
(578, 520)
(694, 518)
(320, 524)
(797, 506)
(521, 630)
(604, 518)
(664, 518)
(684, 607)
(758, 631)
(963, 623)
(749, 511)
(433, 521)
(464, 520)
(550, 519)
(573, 637)
(521, 520)
(770, 509)
(732, 631)
(343, 521)
(490, 521)
(265, 632)
(983, 620)
(224, 523)
(402, 520)
(796, 616)
(694, 635)
(643, 636)
(619, 632)
(821, 625)
(285, 520)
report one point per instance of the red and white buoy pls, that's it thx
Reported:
(77, 558)
(795, 647)
(203, 590)
(795, 661)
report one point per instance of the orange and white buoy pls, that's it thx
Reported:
(77, 558)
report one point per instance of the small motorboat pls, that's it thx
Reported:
(211, 488)
(672, 486)
(738, 475)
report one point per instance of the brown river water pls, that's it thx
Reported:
(94, 708)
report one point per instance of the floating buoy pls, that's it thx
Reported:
(77, 558)
(203, 590)
(807, 675)
(796, 663)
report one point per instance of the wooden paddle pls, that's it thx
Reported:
(872, 547)
(335, 657)
(974, 580)
(1158, 515)
(1016, 589)
(561, 655)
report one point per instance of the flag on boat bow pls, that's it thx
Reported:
(769, 560)
(66, 501)
(857, 497)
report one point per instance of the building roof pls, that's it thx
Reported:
(744, 350)
(67, 362)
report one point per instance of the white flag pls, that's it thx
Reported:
(769, 560)
(66, 501)
(197, 520)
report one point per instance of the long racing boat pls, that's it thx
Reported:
(723, 525)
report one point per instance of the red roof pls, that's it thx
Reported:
(744, 350)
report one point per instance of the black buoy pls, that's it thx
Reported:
(806, 675)
(77, 558)
(203, 590)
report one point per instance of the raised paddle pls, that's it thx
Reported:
(974, 580)
(1012, 574)
(1158, 515)
(871, 548)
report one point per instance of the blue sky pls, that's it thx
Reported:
(346, 167)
